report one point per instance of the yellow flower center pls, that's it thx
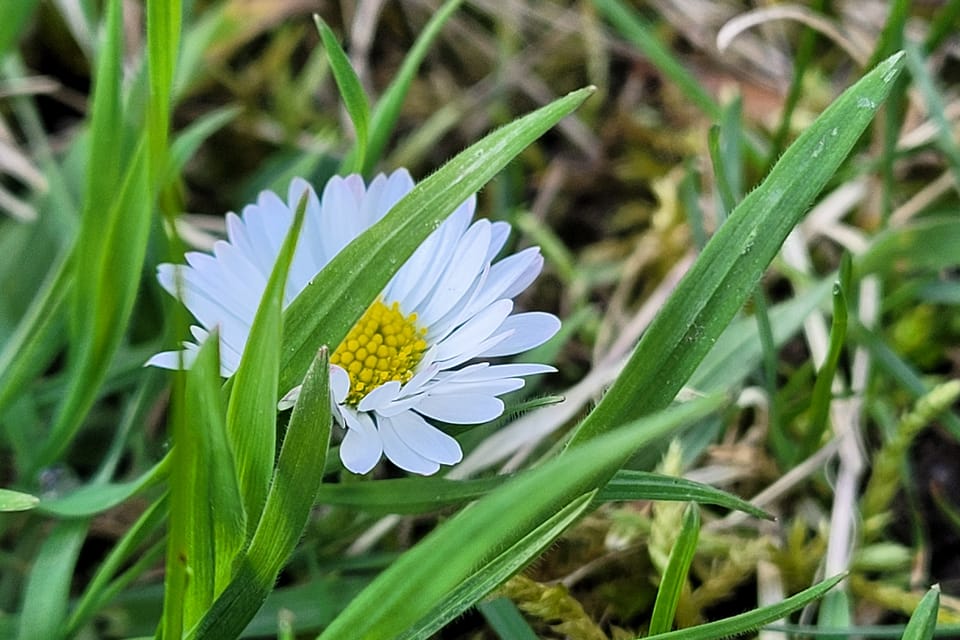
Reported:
(384, 345)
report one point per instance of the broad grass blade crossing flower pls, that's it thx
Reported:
(418, 354)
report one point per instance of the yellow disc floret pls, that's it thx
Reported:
(384, 345)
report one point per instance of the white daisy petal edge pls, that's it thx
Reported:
(413, 356)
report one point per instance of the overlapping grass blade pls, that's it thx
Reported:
(675, 576)
(292, 494)
(327, 308)
(932, 97)
(206, 514)
(929, 244)
(422, 495)
(252, 411)
(407, 593)
(489, 576)
(732, 262)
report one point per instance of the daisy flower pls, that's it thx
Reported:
(418, 352)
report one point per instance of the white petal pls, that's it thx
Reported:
(417, 277)
(424, 438)
(339, 383)
(530, 330)
(495, 387)
(499, 233)
(289, 399)
(460, 273)
(476, 350)
(381, 396)
(497, 371)
(400, 454)
(361, 447)
(172, 359)
(477, 329)
(461, 408)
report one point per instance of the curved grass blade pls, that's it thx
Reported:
(327, 308)
(728, 269)
(92, 499)
(643, 485)
(752, 620)
(675, 576)
(407, 593)
(354, 98)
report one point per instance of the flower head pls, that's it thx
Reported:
(417, 353)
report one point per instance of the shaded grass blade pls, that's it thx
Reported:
(326, 309)
(164, 18)
(731, 264)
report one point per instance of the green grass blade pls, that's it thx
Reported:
(387, 109)
(929, 244)
(629, 484)
(675, 575)
(163, 44)
(96, 593)
(189, 140)
(109, 260)
(13, 17)
(489, 576)
(422, 495)
(354, 98)
(332, 302)
(92, 499)
(822, 395)
(48, 588)
(731, 264)
(923, 622)
(292, 494)
(642, 36)
(506, 620)
(419, 580)
(206, 516)
(752, 620)
(932, 97)
(252, 411)
(17, 501)
(36, 338)
(106, 121)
